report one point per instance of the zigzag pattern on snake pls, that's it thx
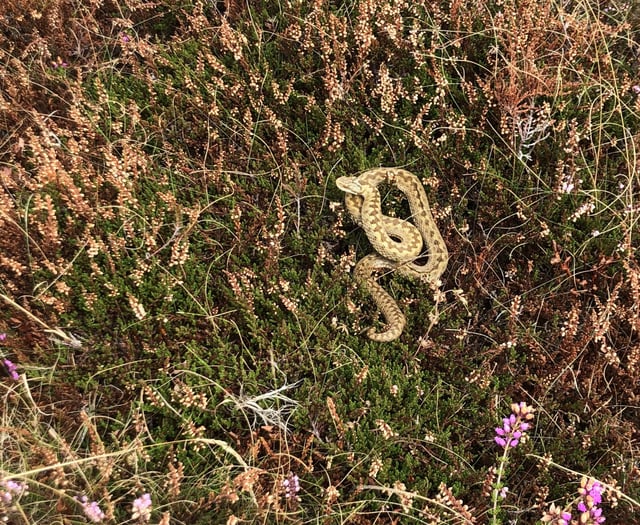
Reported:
(398, 243)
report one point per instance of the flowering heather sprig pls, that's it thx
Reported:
(291, 486)
(591, 496)
(91, 509)
(514, 426)
(10, 366)
(590, 492)
(12, 369)
(508, 436)
(141, 508)
(10, 489)
(556, 516)
(59, 63)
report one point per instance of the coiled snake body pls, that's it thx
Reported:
(398, 243)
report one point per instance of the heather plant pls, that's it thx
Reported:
(183, 330)
(508, 436)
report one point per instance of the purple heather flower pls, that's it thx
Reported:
(592, 516)
(59, 63)
(590, 488)
(91, 509)
(291, 485)
(596, 515)
(12, 369)
(514, 426)
(591, 492)
(14, 486)
(9, 489)
(125, 38)
(141, 508)
(3, 336)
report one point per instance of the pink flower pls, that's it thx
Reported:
(91, 509)
(591, 492)
(291, 485)
(141, 508)
(59, 63)
(514, 426)
(9, 489)
(12, 369)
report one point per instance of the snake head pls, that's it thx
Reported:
(349, 185)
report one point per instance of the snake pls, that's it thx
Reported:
(398, 243)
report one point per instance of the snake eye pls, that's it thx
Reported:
(421, 261)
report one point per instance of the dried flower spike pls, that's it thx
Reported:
(556, 516)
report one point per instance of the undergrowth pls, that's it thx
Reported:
(182, 338)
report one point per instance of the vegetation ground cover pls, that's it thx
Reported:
(181, 334)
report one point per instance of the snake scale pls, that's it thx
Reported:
(398, 243)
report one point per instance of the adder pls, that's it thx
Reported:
(398, 243)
